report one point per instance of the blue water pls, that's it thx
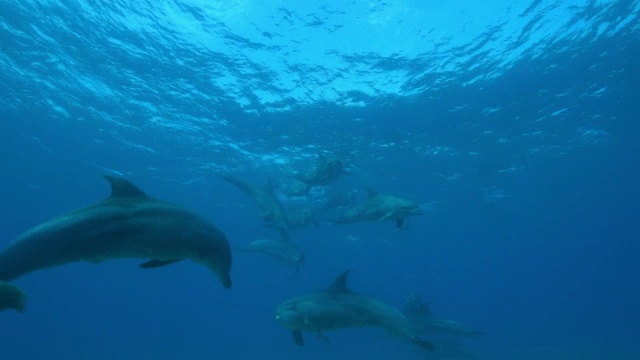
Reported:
(513, 122)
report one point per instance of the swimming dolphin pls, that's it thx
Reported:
(419, 314)
(326, 171)
(337, 307)
(282, 250)
(301, 217)
(379, 207)
(272, 210)
(127, 224)
(11, 297)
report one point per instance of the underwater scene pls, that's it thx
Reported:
(280, 179)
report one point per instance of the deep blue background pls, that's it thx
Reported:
(549, 272)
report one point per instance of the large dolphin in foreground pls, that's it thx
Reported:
(272, 210)
(379, 207)
(11, 297)
(337, 307)
(127, 224)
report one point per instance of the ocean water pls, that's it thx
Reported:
(513, 122)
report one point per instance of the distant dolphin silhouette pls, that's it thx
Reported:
(11, 297)
(380, 207)
(282, 250)
(338, 307)
(127, 224)
(272, 210)
(326, 171)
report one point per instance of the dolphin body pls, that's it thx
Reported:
(282, 250)
(127, 224)
(301, 217)
(11, 297)
(272, 210)
(326, 171)
(379, 207)
(338, 307)
(419, 314)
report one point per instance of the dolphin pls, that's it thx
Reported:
(272, 210)
(379, 207)
(337, 307)
(127, 224)
(326, 171)
(282, 250)
(11, 297)
(301, 217)
(419, 313)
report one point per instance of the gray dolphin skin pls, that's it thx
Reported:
(419, 314)
(11, 297)
(380, 207)
(282, 250)
(338, 307)
(272, 210)
(127, 224)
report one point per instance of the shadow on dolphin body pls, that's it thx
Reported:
(11, 297)
(127, 224)
(337, 307)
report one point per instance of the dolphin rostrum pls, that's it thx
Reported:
(338, 307)
(127, 224)
(379, 207)
(272, 210)
(11, 297)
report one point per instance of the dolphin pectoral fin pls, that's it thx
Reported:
(152, 264)
(423, 344)
(399, 223)
(297, 337)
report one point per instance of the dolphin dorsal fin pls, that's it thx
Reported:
(123, 188)
(371, 192)
(339, 284)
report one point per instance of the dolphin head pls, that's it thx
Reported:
(213, 251)
(290, 315)
(411, 209)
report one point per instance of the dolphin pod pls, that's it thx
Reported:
(127, 224)
(337, 307)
